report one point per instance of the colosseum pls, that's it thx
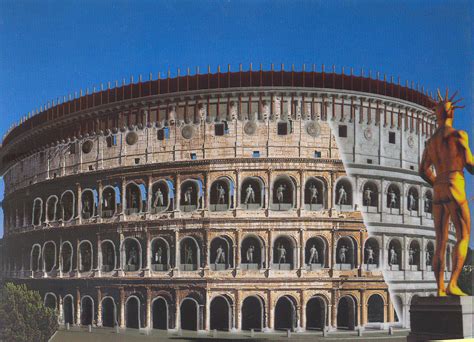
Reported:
(222, 201)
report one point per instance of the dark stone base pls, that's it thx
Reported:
(439, 318)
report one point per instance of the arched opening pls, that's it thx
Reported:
(429, 252)
(220, 314)
(85, 256)
(251, 253)
(393, 197)
(428, 204)
(49, 256)
(109, 315)
(132, 312)
(394, 255)
(346, 313)
(283, 253)
(371, 254)
(252, 195)
(66, 257)
(89, 204)
(160, 313)
(109, 202)
(68, 309)
(412, 200)
(315, 253)
(133, 198)
(314, 194)
(221, 254)
(222, 193)
(67, 206)
(448, 258)
(160, 255)
(285, 313)
(108, 256)
(346, 253)
(37, 211)
(190, 254)
(191, 195)
(189, 311)
(375, 308)
(35, 258)
(131, 255)
(50, 301)
(283, 193)
(87, 310)
(161, 197)
(370, 197)
(398, 305)
(51, 208)
(414, 255)
(315, 313)
(343, 194)
(252, 313)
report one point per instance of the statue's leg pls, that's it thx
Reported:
(462, 222)
(441, 224)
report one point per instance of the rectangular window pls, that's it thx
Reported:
(137, 161)
(193, 156)
(317, 154)
(163, 133)
(283, 128)
(369, 161)
(72, 148)
(342, 131)
(219, 129)
(111, 140)
(256, 154)
(412, 167)
(391, 137)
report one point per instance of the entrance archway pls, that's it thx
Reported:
(346, 313)
(160, 313)
(132, 310)
(315, 314)
(285, 314)
(108, 312)
(87, 310)
(220, 314)
(189, 314)
(375, 308)
(68, 310)
(252, 313)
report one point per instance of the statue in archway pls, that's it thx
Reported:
(313, 255)
(187, 195)
(370, 254)
(108, 201)
(411, 201)
(220, 255)
(132, 257)
(87, 206)
(368, 196)
(428, 257)
(158, 255)
(393, 199)
(249, 253)
(134, 200)
(427, 204)
(342, 253)
(411, 256)
(109, 256)
(249, 195)
(281, 254)
(220, 194)
(313, 190)
(280, 193)
(158, 202)
(342, 196)
(393, 256)
(188, 255)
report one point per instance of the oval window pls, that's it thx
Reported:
(131, 138)
(87, 146)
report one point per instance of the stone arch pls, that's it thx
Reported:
(252, 252)
(316, 311)
(160, 313)
(429, 253)
(414, 254)
(393, 196)
(68, 309)
(51, 208)
(190, 258)
(395, 255)
(343, 194)
(35, 257)
(347, 313)
(316, 253)
(375, 308)
(109, 201)
(132, 312)
(346, 253)
(49, 256)
(89, 203)
(371, 253)
(284, 253)
(37, 214)
(160, 254)
(108, 257)
(221, 195)
(134, 195)
(50, 301)
(87, 310)
(190, 315)
(253, 313)
(66, 257)
(131, 254)
(252, 193)
(286, 313)
(315, 193)
(67, 203)
(221, 313)
(370, 195)
(428, 202)
(162, 195)
(109, 312)
(191, 195)
(283, 193)
(221, 253)
(86, 254)
(412, 199)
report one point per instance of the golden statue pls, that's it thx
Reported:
(448, 152)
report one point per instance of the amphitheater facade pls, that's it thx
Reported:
(222, 201)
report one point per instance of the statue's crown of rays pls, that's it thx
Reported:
(448, 99)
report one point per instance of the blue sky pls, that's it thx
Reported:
(53, 48)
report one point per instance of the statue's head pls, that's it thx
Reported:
(444, 109)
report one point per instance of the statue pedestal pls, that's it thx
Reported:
(439, 318)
